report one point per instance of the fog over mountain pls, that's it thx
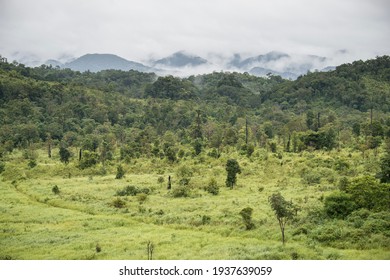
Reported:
(183, 63)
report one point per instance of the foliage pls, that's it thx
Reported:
(284, 210)
(368, 193)
(132, 190)
(384, 174)
(2, 167)
(181, 191)
(55, 189)
(89, 159)
(64, 155)
(212, 187)
(120, 172)
(339, 205)
(246, 215)
(232, 168)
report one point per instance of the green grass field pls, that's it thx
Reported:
(82, 222)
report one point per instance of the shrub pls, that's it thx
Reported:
(141, 197)
(368, 193)
(55, 190)
(339, 205)
(120, 172)
(246, 215)
(205, 219)
(118, 203)
(132, 190)
(181, 191)
(32, 163)
(89, 159)
(2, 167)
(212, 187)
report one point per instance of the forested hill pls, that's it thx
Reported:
(142, 111)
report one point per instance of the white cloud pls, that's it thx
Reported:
(137, 29)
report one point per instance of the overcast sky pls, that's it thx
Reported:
(140, 29)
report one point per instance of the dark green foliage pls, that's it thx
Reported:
(89, 159)
(368, 193)
(64, 155)
(181, 191)
(212, 187)
(232, 168)
(384, 174)
(339, 205)
(118, 203)
(197, 145)
(120, 172)
(32, 163)
(170, 87)
(246, 215)
(284, 210)
(55, 189)
(132, 190)
(98, 247)
(2, 167)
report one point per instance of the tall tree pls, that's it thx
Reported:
(232, 168)
(284, 211)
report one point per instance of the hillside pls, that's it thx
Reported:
(99, 164)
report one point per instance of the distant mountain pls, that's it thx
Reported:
(256, 60)
(99, 62)
(180, 59)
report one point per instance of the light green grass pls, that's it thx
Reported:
(37, 224)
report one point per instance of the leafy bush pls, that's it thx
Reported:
(246, 215)
(368, 193)
(89, 159)
(212, 187)
(32, 163)
(120, 172)
(132, 190)
(2, 167)
(181, 191)
(55, 190)
(339, 205)
(311, 177)
(118, 203)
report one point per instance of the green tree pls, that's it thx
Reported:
(232, 168)
(384, 174)
(246, 215)
(339, 205)
(284, 210)
(120, 172)
(64, 155)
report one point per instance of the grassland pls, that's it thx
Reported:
(82, 222)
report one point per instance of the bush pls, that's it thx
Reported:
(132, 190)
(118, 203)
(246, 215)
(120, 172)
(89, 159)
(32, 163)
(212, 187)
(181, 191)
(339, 205)
(55, 190)
(368, 193)
(2, 167)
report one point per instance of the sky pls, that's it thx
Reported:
(139, 30)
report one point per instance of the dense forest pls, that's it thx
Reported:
(334, 125)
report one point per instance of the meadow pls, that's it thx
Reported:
(58, 211)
